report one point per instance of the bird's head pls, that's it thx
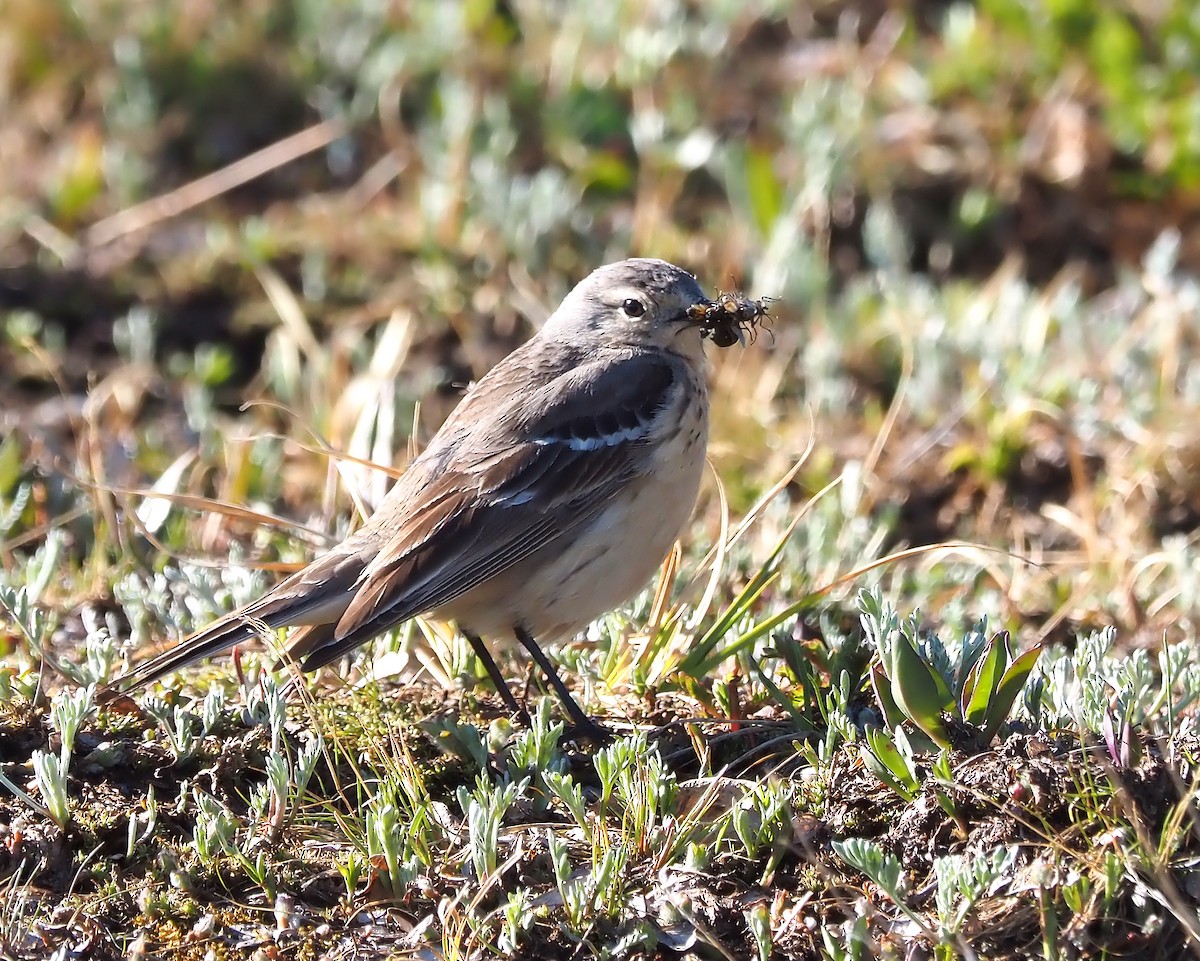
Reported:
(640, 302)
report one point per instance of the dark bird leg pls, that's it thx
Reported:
(581, 724)
(493, 672)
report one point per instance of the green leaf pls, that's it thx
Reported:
(943, 775)
(984, 680)
(868, 857)
(892, 714)
(10, 464)
(764, 189)
(888, 764)
(700, 661)
(919, 691)
(1010, 688)
(782, 699)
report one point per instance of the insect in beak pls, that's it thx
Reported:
(730, 318)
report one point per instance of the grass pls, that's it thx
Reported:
(972, 422)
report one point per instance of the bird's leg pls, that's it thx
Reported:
(581, 723)
(493, 672)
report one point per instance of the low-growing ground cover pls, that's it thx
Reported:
(976, 401)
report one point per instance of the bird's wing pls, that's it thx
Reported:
(528, 472)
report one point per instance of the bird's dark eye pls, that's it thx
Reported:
(633, 307)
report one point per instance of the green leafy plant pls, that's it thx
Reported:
(891, 759)
(484, 809)
(916, 679)
(50, 773)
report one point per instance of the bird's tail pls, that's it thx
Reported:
(314, 596)
(214, 639)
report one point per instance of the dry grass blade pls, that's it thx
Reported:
(151, 212)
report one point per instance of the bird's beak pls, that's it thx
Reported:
(697, 314)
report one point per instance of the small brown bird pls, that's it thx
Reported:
(549, 496)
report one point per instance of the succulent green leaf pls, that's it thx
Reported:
(893, 717)
(918, 691)
(983, 682)
(888, 764)
(1010, 688)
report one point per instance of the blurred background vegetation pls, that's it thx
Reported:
(980, 220)
(235, 235)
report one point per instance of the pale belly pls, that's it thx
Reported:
(563, 587)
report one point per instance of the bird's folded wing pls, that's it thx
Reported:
(538, 469)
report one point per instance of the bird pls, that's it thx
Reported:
(547, 498)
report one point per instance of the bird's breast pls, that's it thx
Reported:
(576, 578)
